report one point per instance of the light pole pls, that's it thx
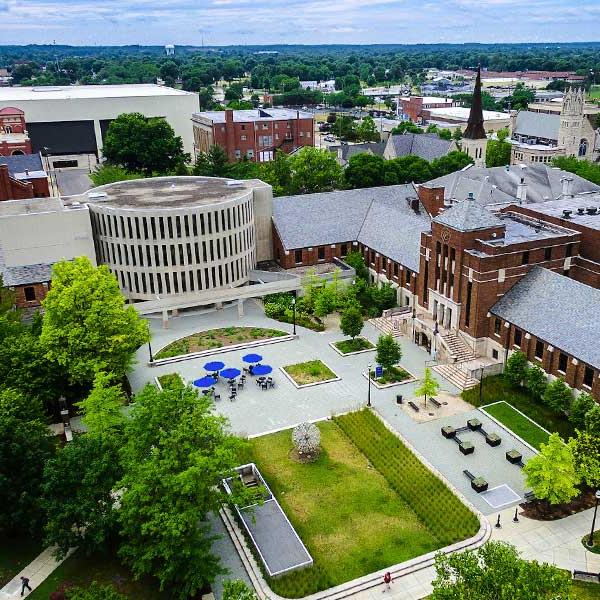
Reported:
(294, 312)
(481, 369)
(369, 385)
(150, 352)
(590, 542)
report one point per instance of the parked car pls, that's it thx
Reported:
(329, 138)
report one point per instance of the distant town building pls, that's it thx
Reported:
(253, 134)
(169, 50)
(23, 176)
(412, 107)
(14, 138)
(344, 151)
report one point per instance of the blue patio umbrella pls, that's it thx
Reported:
(262, 370)
(215, 365)
(205, 382)
(252, 358)
(230, 373)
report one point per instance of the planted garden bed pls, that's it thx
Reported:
(309, 373)
(392, 376)
(521, 426)
(170, 381)
(217, 338)
(358, 344)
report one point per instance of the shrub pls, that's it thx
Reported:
(558, 395)
(579, 408)
(516, 368)
(536, 381)
(389, 352)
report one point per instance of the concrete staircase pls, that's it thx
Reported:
(456, 376)
(456, 347)
(386, 325)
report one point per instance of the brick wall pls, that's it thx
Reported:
(39, 291)
(11, 189)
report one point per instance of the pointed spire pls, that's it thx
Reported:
(475, 129)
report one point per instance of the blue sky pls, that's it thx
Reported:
(223, 22)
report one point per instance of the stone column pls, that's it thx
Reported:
(165, 318)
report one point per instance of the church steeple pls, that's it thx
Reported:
(475, 129)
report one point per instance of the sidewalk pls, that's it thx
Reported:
(36, 571)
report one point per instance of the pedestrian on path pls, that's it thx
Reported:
(25, 585)
(387, 579)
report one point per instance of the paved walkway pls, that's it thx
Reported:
(36, 571)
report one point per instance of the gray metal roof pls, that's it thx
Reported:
(556, 309)
(425, 145)
(468, 215)
(498, 185)
(20, 163)
(379, 217)
(346, 151)
(538, 125)
(25, 275)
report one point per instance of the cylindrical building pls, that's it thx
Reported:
(169, 236)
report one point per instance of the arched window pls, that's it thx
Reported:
(17, 152)
(583, 147)
(8, 128)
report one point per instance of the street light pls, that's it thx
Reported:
(369, 385)
(481, 370)
(590, 542)
(150, 352)
(294, 311)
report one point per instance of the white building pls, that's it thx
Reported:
(71, 121)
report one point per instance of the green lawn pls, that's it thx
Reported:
(594, 93)
(355, 345)
(171, 380)
(16, 553)
(516, 422)
(586, 591)
(312, 371)
(352, 519)
(82, 571)
(496, 388)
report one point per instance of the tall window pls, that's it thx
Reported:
(29, 292)
(497, 326)
(518, 337)
(588, 376)
(525, 258)
(539, 349)
(321, 253)
(562, 362)
(298, 256)
(548, 253)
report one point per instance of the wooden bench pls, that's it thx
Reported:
(435, 402)
(528, 496)
(413, 406)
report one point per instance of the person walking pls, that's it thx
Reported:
(25, 585)
(387, 579)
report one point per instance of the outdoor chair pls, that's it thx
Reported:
(240, 385)
(271, 383)
(246, 370)
(217, 397)
(232, 397)
(265, 385)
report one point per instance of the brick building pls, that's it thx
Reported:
(14, 138)
(23, 176)
(413, 106)
(253, 134)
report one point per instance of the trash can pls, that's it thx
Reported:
(399, 399)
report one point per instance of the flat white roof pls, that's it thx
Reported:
(461, 112)
(257, 114)
(65, 92)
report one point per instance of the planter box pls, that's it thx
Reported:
(384, 386)
(474, 424)
(514, 457)
(371, 349)
(479, 484)
(466, 448)
(493, 439)
(448, 432)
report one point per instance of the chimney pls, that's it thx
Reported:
(27, 172)
(230, 134)
(522, 191)
(567, 187)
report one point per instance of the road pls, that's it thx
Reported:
(72, 181)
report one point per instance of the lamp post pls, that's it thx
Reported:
(590, 542)
(150, 352)
(436, 330)
(294, 312)
(481, 369)
(369, 385)
(414, 316)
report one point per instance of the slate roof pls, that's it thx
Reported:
(468, 215)
(425, 145)
(538, 125)
(19, 163)
(498, 185)
(25, 275)
(379, 217)
(346, 151)
(556, 309)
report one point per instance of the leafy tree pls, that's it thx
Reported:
(551, 474)
(314, 170)
(592, 420)
(366, 131)
(325, 301)
(428, 386)
(25, 447)
(278, 173)
(78, 494)
(102, 409)
(351, 322)
(519, 99)
(141, 144)
(87, 327)
(213, 163)
(496, 572)
(457, 135)
(7, 299)
(237, 590)
(516, 368)
(344, 127)
(558, 395)
(579, 408)
(240, 105)
(205, 97)
(382, 296)
(364, 170)
(105, 174)
(586, 453)
(445, 134)
(536, 381)
(502, 134)
(357, 262)
(583, 168)
(94, 592)
(389, 352)
(176, 453)
(453, 161)
(497, 153)
(406, 127)
(169, 71)
(234, 92)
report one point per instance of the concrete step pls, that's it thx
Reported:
(386, 326)
(456, 376)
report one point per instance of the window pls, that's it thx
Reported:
(548, 253)
(468, 304)
(562, 362)
(566, 272)
(525, 258)
(243, 128)
(243, 138)
(495, 354)
(321, 253)
(238, 154)
(395, 269)
(497, 326)
(539, 349)
(588, 377)
(265, 126)
(298, 256)
(344, 249)
(29, 293)
(250, 154)
(569, 251)
(518, 337)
